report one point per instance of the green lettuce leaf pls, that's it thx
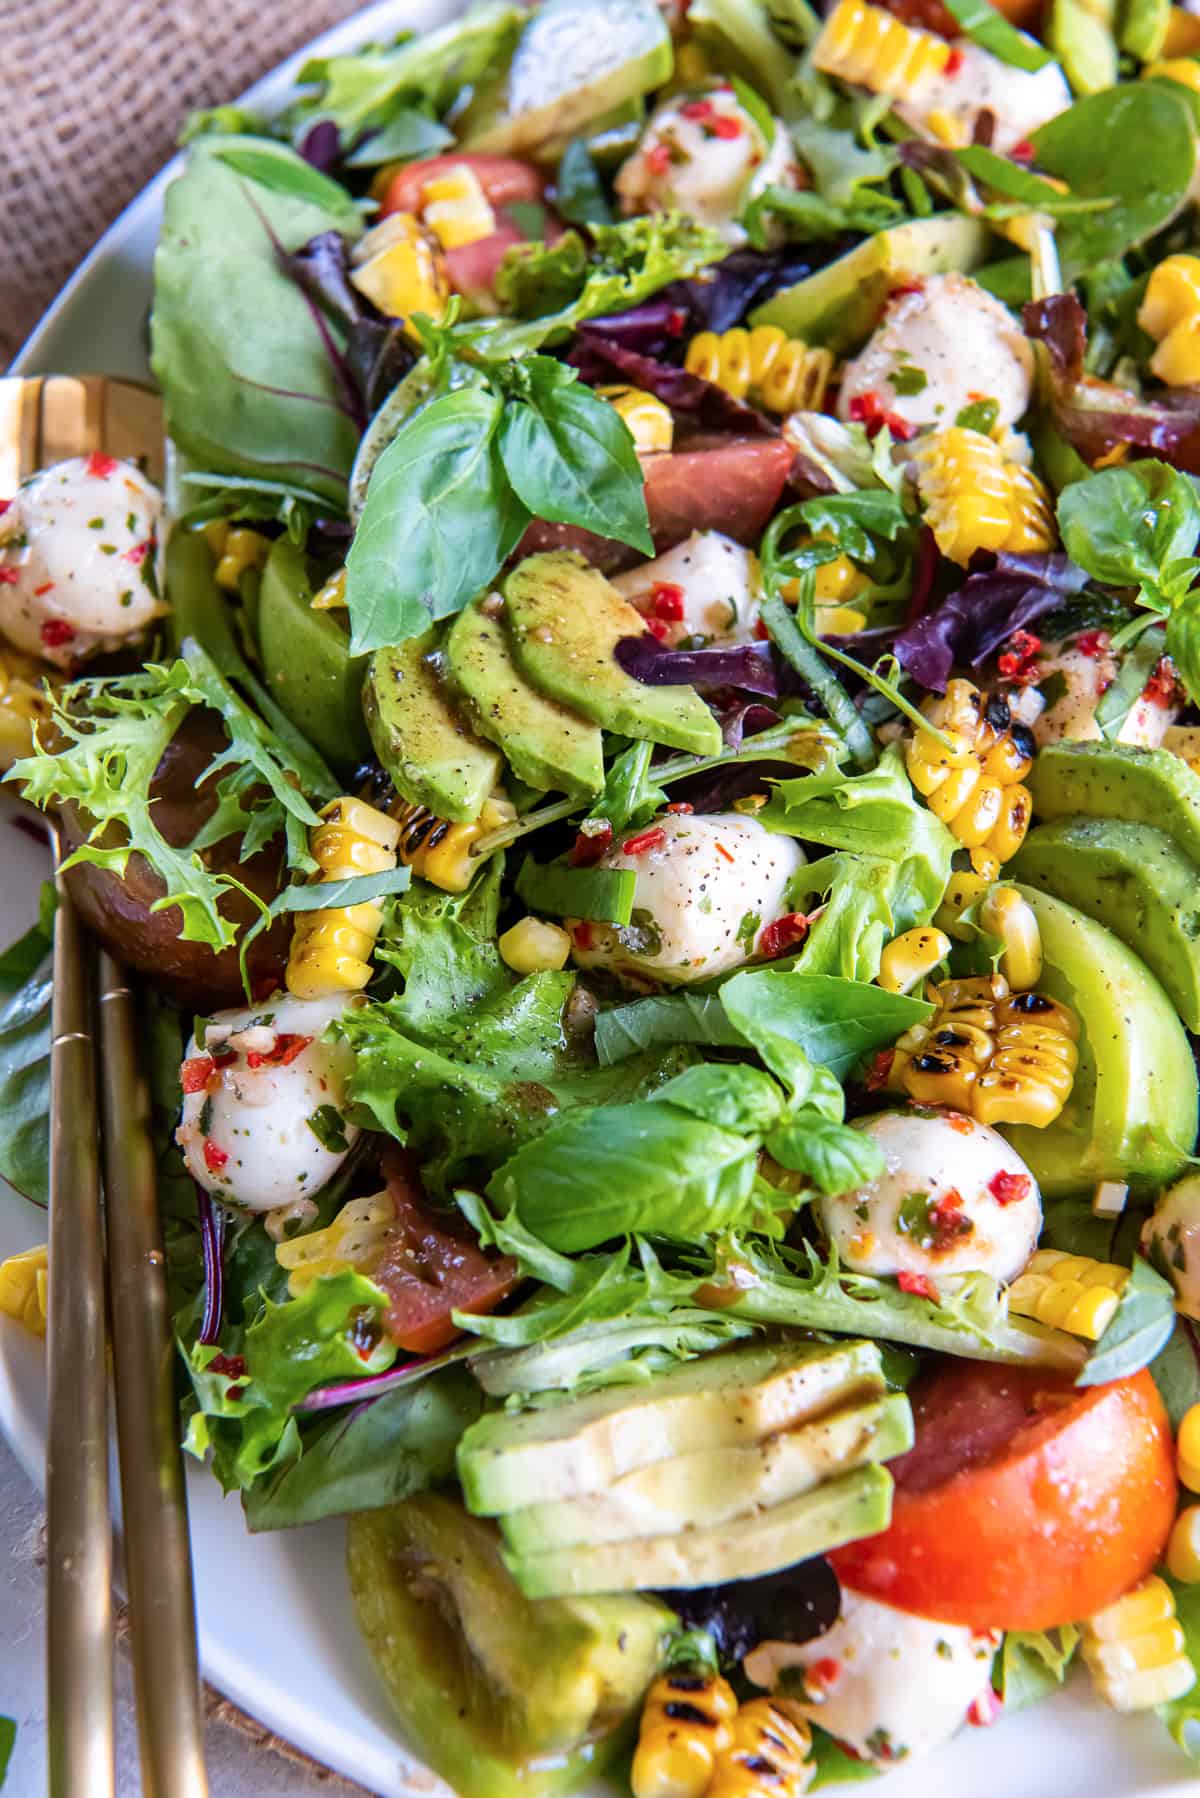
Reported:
(1033, 1664)
(23, 958)
(1137, 1331)
(1182, 1715)
(25, 1088)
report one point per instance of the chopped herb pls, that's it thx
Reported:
(910, 380)
(329, 1127)
(980, 415)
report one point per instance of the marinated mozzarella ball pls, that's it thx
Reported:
(80, 559)
(891, 1686)
(953, 1198)
(1080, 677)
(965, 345)
(264, 1119)
(706, 156)
(708, 587)
(707, 887)
(1171, 1242)
(1018, 100)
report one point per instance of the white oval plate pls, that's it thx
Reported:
(277, 1633)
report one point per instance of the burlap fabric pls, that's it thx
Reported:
(94, 93)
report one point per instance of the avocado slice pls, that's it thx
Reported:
(420, 736)
(1132, 879)
(576, 60)
(1132, 1111)
(306, 660)
(713, 1485)
(564, 622)
(505, 1698)
(725, 1400)
(857, 1504)
(547, 746)
(839, 305)
(1115, 780)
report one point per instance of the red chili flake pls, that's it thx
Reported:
(1019, 662)
(761, 631)
(783, 934)
(825, 1672)
(725, 125)
(56, 631)
(233, 1366)
(4, 505)
(590, 845)
(101, 466)
(214, 1157)
(721, 850)
(1093, 643)
(948, 1221)
(867, 409)
(881, 1069)
(681, 808)
(1009, 1189)
(46, 587)
(677, 320)
(954, 62)
(657, 628)
(657, 158)
(138, 552)
(1022, 152)
(195, 1073)
(920, 1285)
(583, 935)
(287, 1047)
(668, 600)
(701, 110)
(985, 1709)
(654, 838)
(1161, 689)
(9, 577)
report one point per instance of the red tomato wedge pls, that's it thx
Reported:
(432, 1267)
(504, 179)
(731, 485)
(1025, 1503)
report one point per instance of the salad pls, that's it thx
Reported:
(647, 766)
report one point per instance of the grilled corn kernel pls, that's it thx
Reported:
(332, 595)
(1069, 1292)
(871, 48)
(685, 1723)
(23, 1282)
(836, 582)
(1183, 1547)
(1005, 914)
(1177, 358)
(533, 946)
(1135, 1649)
(456, 209)
(1001, 1057)
(768, 1756)
(24, 704)
(907, 959)
(780, 372)
(649, 422)
(331, 949)
(1172, 296)
(1187, 1449)
(441, 853)
(355, 1239)
(399, 267)
(975, 786)
(961, 893)
(242, 550)
(976, 499)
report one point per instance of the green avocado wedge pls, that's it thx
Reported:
(856, 1504)
(307, 665)
(564, 621)
(1115, 780)
(421, 737)
(503, 1697)
(1135, 881)
(546, 745)
(1132, 1112)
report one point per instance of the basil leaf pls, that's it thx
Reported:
(571, 459)
(1176, 1371)
(278, 168)
(329, 895)
(619, 1169)
(836, 1022)
(407, 135)
(832, 1156)
(439, 520)
(734, 1096)
(1136, 1332)
(1128, 526)
(834, 1764)
(992, 31)
(25, 1089)
(329, 1127)
(604, 895)
(666, 1018)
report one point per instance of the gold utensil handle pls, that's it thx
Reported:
(154, 1498)
(79, 1630)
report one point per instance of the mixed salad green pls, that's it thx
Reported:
(648, 762)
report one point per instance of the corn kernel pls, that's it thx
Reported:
(23, 1288)
(332, 595)
(1069, 1292)
(948, 128)
(909, 958)
(332, 948)
(441, 853)
(1000, 1057)
(1183, 1547)
(1177, 358)
(1187, 1449)
(768, 1755)
(649, 422)
(975, 784)
(1005, 914)
(1135, 1649)
(962, 892)
(533, 946)
(976, 499)
(781, 373)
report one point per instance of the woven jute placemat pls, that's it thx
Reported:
(94, 94)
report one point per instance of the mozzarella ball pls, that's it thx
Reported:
(704, 896)
(247, 1131)
(1084, 678)
(891, 1686)
(1019, 100)
(712, 579)
(80, 559)
(934, 1209)
(1171, 1242)
(704, 155)
(965, 344)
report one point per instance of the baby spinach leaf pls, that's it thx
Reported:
(992, 31)
(24, 957)
(276, 167)
(832, 1156)
(1138, 1329)
(250, 371)
(604, 895)
(1176, 1371)
(1134, 527)
(807, 216)
(25, 1089)
(835, 1021)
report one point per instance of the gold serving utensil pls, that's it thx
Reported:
(47, 419)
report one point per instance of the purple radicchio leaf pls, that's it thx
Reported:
(377, 353)
(969, 626)
(716, 299)
(743, 719)
(749, 667)
(321, 146)
(373, 1386)
(212, 1249)
(701, 404)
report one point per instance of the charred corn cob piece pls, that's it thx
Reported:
(685, 1723)
(910, 958)
(1135, 1649)
(24, 704)
(649, 422)
(355, 1239)
(331, 950)
(1069, 1292)
(975, 498)
(780, 372)
(23, 1282)
(440, 852)
(768, 1756)
(975, 785)
(999, 1057)
(870, 47)
(455, 208)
